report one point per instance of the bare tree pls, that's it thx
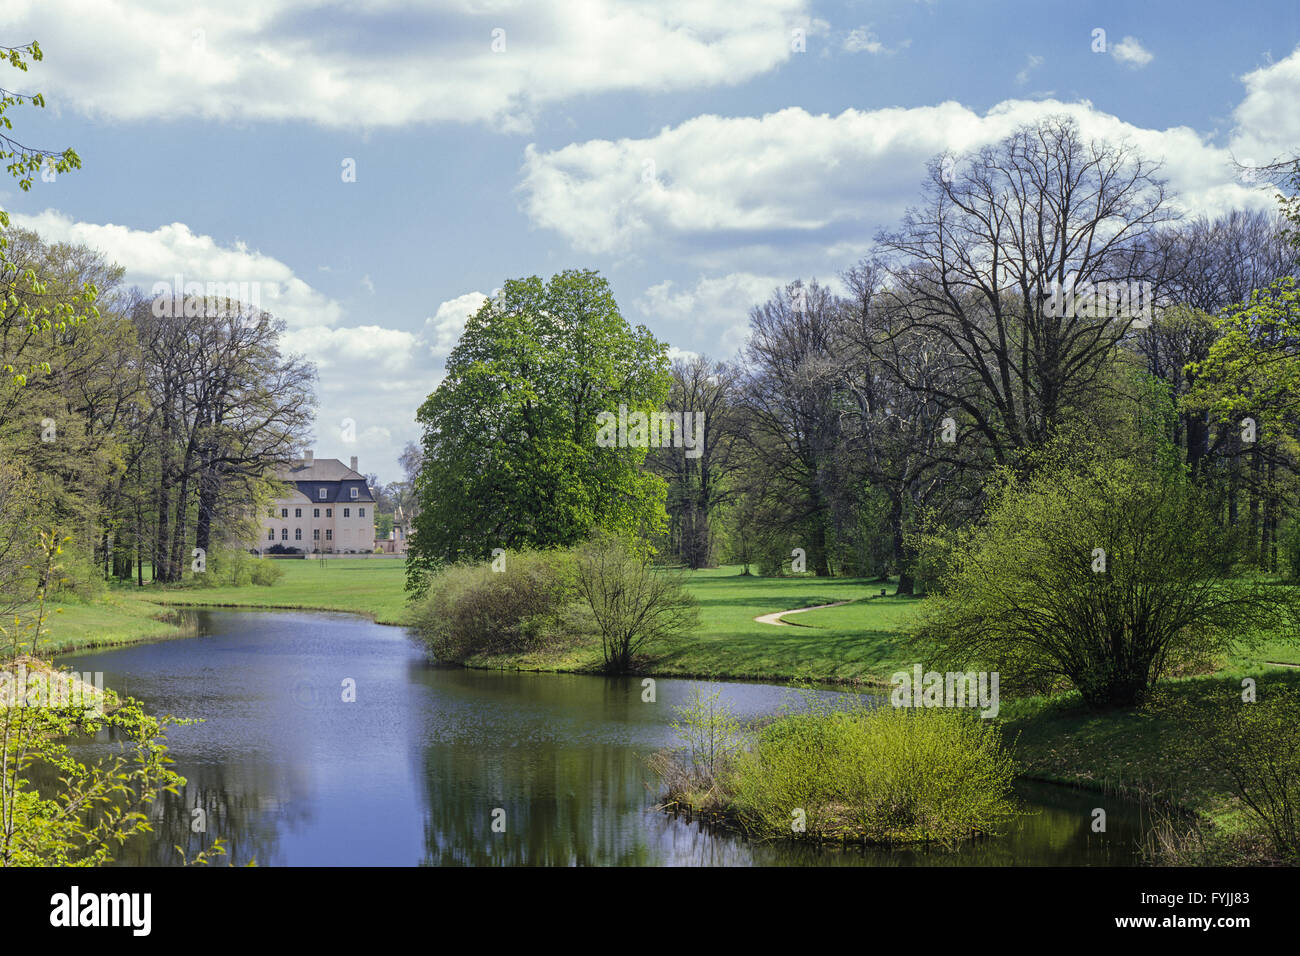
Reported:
(978, 268)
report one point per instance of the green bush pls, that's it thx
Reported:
(237, 568)
(885, 775)
(1256, 746)
(1106, 574)
(471, 609)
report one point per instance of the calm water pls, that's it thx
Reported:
(414, 770)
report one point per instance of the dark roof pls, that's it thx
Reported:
(336, 478)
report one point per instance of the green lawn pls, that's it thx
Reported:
(855, 643)
(118, 617)
(1133, 752)
(369, 586)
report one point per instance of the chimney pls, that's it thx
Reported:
(354, 463)
(307, 455)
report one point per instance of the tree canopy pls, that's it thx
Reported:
(510, 457)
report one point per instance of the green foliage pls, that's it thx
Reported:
(26, 300)
(510, 458)
(881, 774)
(711, 732)
(54, 809)
(1100, 574)
(1253, 367)
(1256, 746)
(1288, 540)
(470, 609)
(633, 605)
(235, 567)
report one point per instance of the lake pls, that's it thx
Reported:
(418, 767)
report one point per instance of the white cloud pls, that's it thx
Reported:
(1031, 63)
(862, 40)
(442, 329)
(162, 254)
(799, 191)
(376, 63)
(715, 310)
(1268, 123)
(1130, 52)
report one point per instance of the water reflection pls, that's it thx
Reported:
(418, 767)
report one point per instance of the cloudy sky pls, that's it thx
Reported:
(697, 152)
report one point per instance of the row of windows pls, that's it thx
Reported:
(329, 512)
(324, 492)
(297, 534)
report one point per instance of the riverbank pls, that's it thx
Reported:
(859, 642)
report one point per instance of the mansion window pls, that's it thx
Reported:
(297, 534)
(347, 512)
(361, 512)
(315, 512)
(315, 534)
(284, 512)
(270, 534)
(284, 534)
(329, 512)
(297, 512)
(329, 535)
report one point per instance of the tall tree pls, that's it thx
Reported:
(698, 484)
(510, 451)
(984, 265)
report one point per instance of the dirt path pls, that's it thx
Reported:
(775, 616)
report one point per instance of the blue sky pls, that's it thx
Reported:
(686, 148)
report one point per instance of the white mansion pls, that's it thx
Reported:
(330, 509)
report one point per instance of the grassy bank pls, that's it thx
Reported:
(370, 586)
(117, 617)
(855, 643)
(1129, 753)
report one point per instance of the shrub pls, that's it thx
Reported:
(712, 735)
(632, 603)
(1106, 574)
(884, 775)
(1256, 746)
(236, 568)
(470, 609)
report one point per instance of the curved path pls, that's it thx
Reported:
(775, 616)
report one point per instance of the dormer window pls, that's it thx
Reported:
(354, 492)
(323, 493)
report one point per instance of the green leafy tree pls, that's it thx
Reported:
(1098, 574)
(28, 312)
(510, 452)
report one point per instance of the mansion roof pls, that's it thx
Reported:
(311, 475)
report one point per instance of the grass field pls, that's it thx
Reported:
(854, 643)
(118, 617)
(369, 586)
